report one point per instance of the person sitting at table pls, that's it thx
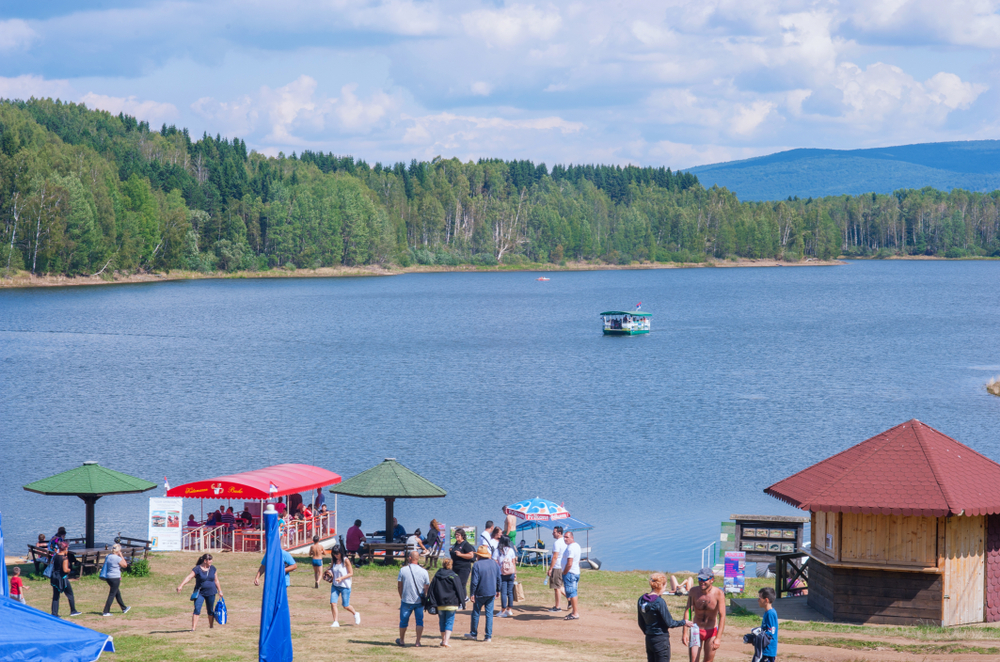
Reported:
(229, 518)
(211, 519)
(247, 517)
(306, 513)
(355, 538)
(56, 539)
(415, 544)
(398, 532)
(192, 522)
(280, 506)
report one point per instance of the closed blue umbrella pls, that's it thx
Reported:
(275, 644)
(4, 584)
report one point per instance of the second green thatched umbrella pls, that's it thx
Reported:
(389, 480)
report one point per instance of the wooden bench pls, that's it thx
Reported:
(39, 556)
(87, 563)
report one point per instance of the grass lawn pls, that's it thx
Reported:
(158, 626)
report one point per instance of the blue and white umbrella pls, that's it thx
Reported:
(537, 510)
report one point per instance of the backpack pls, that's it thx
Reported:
(507, 566)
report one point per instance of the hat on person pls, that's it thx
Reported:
(706, 575)
(484, 552)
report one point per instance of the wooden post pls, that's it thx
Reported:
(89, 534)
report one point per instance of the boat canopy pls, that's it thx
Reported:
(256, 485)
(567, 523)
(633, 313)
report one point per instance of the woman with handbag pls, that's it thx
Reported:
(206, 586)
(111, 572)
(339, 575)
(506, 557)
(445, 594)
(60, 579)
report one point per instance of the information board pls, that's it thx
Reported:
(165, 523)
(735, 572)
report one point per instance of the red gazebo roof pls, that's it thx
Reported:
(288, 478)
(911, 469)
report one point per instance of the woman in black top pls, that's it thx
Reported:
(445, 593)
(655, 620)
(207, 586)
(462, 554)
(60, 580)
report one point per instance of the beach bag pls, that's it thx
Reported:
(103, 574)
(48, 569)
(328, 576)
(518, 592)
(221, 615)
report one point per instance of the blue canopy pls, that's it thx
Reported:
(567, 523)
(28, 634)
(275, 643)
(4, 584)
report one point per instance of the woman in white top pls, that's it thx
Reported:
(506, 557)
(341, 571)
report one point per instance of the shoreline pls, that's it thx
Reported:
(24, 280)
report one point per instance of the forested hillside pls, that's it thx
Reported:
(972, 165)
(85, 192)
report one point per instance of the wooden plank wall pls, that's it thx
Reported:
(992, 568)
(875, 596)
(964, 573)
(824, 523)
(889, 539)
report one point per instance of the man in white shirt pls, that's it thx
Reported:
(486, 537)
(555, 570)
(411, 583)
(571, 574)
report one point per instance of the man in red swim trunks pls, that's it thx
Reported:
(709, 604)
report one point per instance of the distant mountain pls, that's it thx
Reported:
(972, 165)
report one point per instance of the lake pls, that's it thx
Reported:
(495, 386)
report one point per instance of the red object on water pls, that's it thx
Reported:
(289, 478)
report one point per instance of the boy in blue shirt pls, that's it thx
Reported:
(765, 599)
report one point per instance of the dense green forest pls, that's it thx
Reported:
(87, 192)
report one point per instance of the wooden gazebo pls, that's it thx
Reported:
(905, 530)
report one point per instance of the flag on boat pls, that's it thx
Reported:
(271, 489)
(638, 305)
(537, 509)
(166, 485)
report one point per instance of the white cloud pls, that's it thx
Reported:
(748, 117)
(511, 25)
(153, 112)
(15, 35)
(294, 114)
(30, 85)
(481, 88)
(950, 90)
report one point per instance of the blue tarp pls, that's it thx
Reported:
(4, 582)
(275, 644)
(567, 523)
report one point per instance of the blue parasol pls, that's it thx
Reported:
(275, 644)
(537, 510)
(4, 584)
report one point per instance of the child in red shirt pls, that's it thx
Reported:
(16, 586)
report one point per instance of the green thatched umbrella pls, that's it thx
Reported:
(90, 482)
(389, 480)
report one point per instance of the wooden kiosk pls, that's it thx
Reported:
(905, 530)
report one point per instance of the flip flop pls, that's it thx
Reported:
(399, 643)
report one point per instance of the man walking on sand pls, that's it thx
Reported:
(571, 575)
(709, 606)
(555, 570)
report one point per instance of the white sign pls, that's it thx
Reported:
(165, 523)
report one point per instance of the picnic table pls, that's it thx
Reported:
(88, 560)
(388, 548)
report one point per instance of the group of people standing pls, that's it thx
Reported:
(59, 567)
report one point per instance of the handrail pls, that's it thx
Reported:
(709, 561)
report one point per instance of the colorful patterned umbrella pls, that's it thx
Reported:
(537, 509)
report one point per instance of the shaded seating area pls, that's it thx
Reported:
(252, 489)
(905, 530)
(388, 480)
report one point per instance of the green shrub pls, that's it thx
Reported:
(423, 256)
(484, 260)
(955, 252)
(138, 568)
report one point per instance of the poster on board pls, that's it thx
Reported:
(735, 572)
(165, 523)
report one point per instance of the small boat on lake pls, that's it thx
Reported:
(625, 323)
(542, 278)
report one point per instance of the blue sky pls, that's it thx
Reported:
(654, 83)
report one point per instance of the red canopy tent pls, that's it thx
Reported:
(256, 485)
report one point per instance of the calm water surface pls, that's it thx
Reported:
(496, 387)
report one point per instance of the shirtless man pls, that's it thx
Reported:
(709, 606)
(510, 528)
(316, 553)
